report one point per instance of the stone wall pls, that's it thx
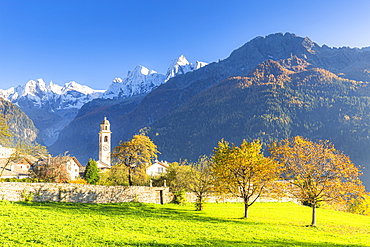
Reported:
(14, 191)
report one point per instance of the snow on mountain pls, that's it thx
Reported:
(52, 107)
(5, 94)
(53, 96)
(142, 80)
(199, 64)
(182, 66)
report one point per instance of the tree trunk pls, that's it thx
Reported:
(129, 177)
(200, 203)
(3, 169)
(313, 223)
(246, 206)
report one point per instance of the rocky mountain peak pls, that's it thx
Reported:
(140, 70)
(34, 87)
(308, 44)
(181, 61)
(294, 63)
(182, 66)
(142, 80)
(74, 86)
(36, 94)
(55, 88)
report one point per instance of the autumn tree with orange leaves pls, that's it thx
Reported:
(243, 171)
(135, 154)
(317, 171)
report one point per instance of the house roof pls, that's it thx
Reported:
(102, 165)
(74, 159)
(77, 162)
(13, 169)
(164, 164)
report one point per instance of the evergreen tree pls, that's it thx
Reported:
(91, 172)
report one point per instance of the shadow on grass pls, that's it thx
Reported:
(265, 242)
(145, 211)
(134, 209)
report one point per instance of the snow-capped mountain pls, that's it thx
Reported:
(36, 94)
(141, 80)
(182, 66)
(52, 107)
(138, 81)
(52, 97)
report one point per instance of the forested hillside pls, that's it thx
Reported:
(277, 100)
(272, 87)
(20, 125)
(80, 137)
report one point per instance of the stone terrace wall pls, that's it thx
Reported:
(14, 191)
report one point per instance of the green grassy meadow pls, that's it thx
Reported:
(137, 224)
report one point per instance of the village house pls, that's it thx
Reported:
(13, 168)
(62, 164)
(18, 169)
(22, 168)
(73, 168)
(157, 168)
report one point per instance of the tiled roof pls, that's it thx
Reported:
(13, 169)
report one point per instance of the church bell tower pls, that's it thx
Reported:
(105, 143)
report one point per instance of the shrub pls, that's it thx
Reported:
(27, 196)
(78, 181)
(179, 197)
(23, 180)
(91, 172)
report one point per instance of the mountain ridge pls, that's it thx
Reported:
(270, 88)
(52, 107)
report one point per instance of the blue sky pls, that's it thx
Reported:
(92, 42)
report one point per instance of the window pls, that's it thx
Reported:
(160, 169)
(105, 138)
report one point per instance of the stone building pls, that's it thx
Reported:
(11, 167)
(15, 169)
(64, 167)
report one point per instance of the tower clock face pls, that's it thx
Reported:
(105, 147)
